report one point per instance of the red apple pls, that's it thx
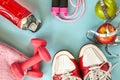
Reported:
(103, 30)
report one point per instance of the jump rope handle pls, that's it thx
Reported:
(55, 3)
(59, 6)
(55, 7)
(64, 7)
(63, 3)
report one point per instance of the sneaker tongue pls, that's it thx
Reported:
(76, 71)
(9, 55)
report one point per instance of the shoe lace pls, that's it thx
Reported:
(67, 76)
(97, 74)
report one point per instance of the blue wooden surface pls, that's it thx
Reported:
(59, 35)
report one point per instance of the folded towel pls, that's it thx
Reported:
(9, 55)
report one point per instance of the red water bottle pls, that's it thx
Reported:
(19, 15)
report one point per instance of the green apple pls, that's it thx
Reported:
(111, 8)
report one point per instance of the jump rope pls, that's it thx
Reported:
(61, 12)
(108, 34)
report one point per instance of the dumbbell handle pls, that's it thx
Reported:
(36, 42)
(43, 55)
(30, 62)
(36, 66)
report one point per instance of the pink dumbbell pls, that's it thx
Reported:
(36, 42)
(19, 68)
(35, 72)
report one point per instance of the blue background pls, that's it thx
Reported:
(59, 35)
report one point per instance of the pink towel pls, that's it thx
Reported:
(9, 55)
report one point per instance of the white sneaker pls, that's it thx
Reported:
(93, 63)
(65, 67)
